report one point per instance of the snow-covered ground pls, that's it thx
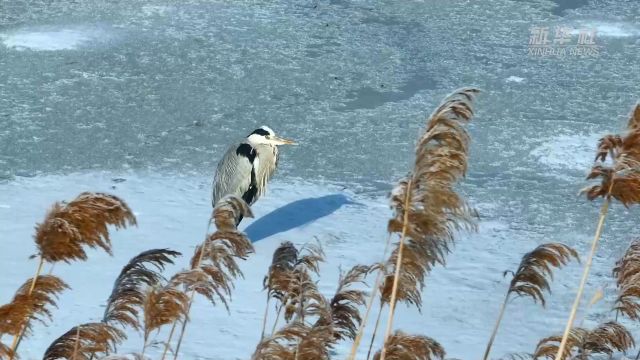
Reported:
(460, 302)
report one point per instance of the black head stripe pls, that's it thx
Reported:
(247, 151)
(260, 131)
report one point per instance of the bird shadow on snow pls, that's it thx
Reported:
(295, 214)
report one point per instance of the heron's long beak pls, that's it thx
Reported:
(282, 141)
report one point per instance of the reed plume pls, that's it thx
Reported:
(134, 356)
(518, 356)
(68, 227)
(303, 296)
(344, 304)
(82, 342)
(278, 279)
(33, 300)
(617, 168)
(214, 265)
(6, 353)
(532, 277)
(163, 305)
(210, 286)
(401, 346)
(427, 209)
(30, 304)
(627, 274)
(129, 290)
(315, 323)
(302, 301)
(297, 340)
(82, 222)
(605, 339)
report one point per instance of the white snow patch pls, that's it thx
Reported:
(52, 39)
(608, 29)
(159, 10)
(567, 152)
(515, 79)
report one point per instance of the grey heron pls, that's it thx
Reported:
(247, 166)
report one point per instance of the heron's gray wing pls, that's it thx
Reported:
(234, 172)
(265, 167)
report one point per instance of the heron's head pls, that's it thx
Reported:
(265, 136)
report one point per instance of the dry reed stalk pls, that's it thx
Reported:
(396, 276)
(427, 209)
(401, 346)
(76, 347)
(375, 330)
(376, 285)
(620, 180)
(213, 265)
(69, 226)
(83, 341)
(532, 278)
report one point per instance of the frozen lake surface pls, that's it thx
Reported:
(153, 91)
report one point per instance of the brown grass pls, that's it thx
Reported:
(581, 343)
(278, 279)
(70, 226)
(82, 222)
(83, 341)
(427, 209)
(535, 270)
(401, 346)
(282, 264)
(345, 312)
(129, 290)
(532, 278)
(620, 180)
(620, 177)
(297, 340)
(6, 352)
(303, 298)
(435, 210)
(25, 305)
(627, 274)
(214, 265)
(163, 305)
(315, 324)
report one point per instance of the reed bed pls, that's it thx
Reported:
(300, 322)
